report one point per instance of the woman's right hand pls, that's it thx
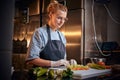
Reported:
(59, 63)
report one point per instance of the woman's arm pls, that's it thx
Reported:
(48, 63)
(39, 62)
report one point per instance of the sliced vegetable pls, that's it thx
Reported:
(78, 67)
(95, 66)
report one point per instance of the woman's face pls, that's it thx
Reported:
(57, 19)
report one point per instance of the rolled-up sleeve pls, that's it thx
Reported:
(35, 46)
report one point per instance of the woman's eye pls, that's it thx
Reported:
(61, 18)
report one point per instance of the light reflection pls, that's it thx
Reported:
(73, 44)
(30, 32)
(77, 33)
(28, 42)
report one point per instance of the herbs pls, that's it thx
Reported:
(67, 73)
(39, 72)
(35, 73)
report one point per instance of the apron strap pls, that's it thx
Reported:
(48, 31)
(59, 36)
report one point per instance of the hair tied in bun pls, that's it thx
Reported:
(54, 1)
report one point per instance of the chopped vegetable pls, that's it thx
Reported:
(96, 66)
(78, 67)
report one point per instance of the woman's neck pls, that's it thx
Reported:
(52, 27)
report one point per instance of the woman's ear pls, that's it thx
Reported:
(50, 15)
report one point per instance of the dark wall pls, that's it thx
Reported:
(113, 25)
(6, 33)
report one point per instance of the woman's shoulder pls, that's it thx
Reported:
(41, 29)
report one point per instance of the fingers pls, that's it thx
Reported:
(54, 63)
(73, 62)
(59, 63)
(65, 62)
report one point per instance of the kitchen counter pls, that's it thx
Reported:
(77, 75)
(83, 74)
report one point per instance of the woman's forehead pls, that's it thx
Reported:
(60, 12)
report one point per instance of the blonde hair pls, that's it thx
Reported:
(54, 6)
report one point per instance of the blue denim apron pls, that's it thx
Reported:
(54, 49)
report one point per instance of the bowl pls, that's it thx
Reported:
(96, 60)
